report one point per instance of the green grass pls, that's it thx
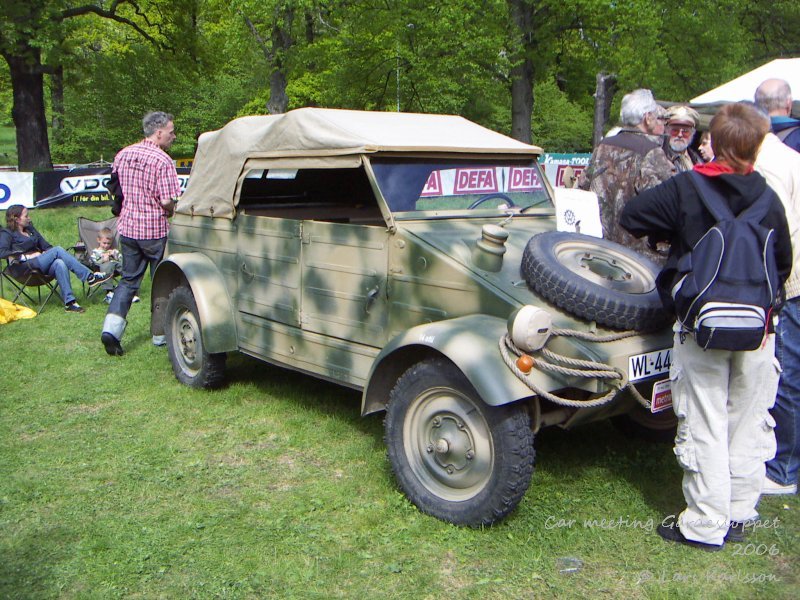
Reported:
(117, 481)
(8, 146)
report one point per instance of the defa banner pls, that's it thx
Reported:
(16, 188)
(80, 187)
(481, 180)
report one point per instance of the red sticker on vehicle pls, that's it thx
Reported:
(576, 172)
(433, 187)
(523, 180)
(476, 181)
(662, 396)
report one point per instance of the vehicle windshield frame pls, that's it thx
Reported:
(436, 187)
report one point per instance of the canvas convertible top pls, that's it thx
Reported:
(323, 137)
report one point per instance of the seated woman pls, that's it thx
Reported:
(21, 243)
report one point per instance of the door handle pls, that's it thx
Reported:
(247, 274)
(371, 296)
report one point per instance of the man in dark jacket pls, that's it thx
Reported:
(721, 398)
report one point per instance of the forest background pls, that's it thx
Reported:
(78, 75)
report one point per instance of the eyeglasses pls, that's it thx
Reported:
(678, 130)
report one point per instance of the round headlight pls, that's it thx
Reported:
(529, 328)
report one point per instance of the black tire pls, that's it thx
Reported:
(455, 457)
(191, 363)
(640, 423)
(595, 279)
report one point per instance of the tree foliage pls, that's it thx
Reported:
(101, 64)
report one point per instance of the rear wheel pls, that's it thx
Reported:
(455, 457)
(191, 363)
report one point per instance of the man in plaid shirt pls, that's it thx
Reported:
(149, 186)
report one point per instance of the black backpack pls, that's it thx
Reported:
(728, 283)
(114, 188)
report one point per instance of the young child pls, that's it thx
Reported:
(107, 260)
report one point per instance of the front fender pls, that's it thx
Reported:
(470, 342)
(214, 305)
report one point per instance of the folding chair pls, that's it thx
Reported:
(23, 281)
(88, 231)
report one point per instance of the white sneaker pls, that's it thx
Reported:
(136, 299)
(773, 488)
(159, 340)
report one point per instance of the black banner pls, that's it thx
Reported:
(77, 186)
(80, 187)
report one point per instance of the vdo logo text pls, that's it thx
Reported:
(84, 184)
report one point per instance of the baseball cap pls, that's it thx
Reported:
(682, 114)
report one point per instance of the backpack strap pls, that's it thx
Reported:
(718, 207)
(758, 209)
(711, 198)
(785, 133)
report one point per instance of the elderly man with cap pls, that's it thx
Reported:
(680, 129)
(627, 163)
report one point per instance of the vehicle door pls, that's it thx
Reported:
(268, 253)
(344, 269)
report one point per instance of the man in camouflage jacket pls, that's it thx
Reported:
(625, 164)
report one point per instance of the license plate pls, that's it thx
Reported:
(649, 364)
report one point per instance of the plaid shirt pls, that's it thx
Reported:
(147, 176)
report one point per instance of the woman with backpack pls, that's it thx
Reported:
(721, 392)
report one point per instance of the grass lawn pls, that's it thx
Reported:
(8, 147)
(117, 481)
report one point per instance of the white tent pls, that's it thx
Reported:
(743, 88)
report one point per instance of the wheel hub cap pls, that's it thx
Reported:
(451, 444)
(448, 444)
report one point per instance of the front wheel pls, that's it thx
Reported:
(455, 457)
(191, 363)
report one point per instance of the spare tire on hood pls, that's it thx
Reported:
(595, 279)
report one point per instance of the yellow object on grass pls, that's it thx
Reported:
(11, 312)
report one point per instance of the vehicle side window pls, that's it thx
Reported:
(332, 195)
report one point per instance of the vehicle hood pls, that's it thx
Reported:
(458, 239)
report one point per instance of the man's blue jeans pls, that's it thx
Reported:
(57, 263)
(136, 256)
(786, 412)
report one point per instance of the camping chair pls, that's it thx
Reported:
(87, 234)
(24, 280)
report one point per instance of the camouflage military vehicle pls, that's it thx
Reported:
(414, 258)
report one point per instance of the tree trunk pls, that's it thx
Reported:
(603, 96)
(282, 41)
(522, 101)
(57, 99)
(522, 73)
(278, 100)
(30, 121)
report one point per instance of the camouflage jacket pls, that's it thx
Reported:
(621, 167)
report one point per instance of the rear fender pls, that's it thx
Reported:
(214, 305)
(470, 342)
